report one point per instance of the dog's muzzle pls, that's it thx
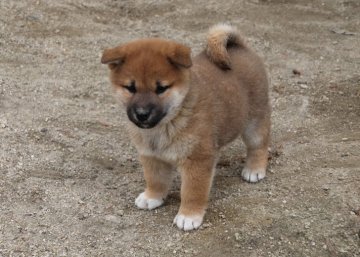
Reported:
(145, 117)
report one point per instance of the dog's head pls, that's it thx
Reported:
(151, 77)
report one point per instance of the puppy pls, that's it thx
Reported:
(182, 111)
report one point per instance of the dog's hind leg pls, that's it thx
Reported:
(256, 137)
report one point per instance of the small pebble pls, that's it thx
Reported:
(356, 212)
(206, 225)
(303, 86)
(112, 218)
(83, 216)
(324, 98)
(3, 123)
(326, 187)
(296, 72)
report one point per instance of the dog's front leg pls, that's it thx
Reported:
(196, 180)
(158, 176)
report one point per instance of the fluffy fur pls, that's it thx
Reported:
(211, 100)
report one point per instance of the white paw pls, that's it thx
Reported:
(143, 202)
(253, 175)
(188, 222)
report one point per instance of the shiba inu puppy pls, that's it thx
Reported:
(182, 110)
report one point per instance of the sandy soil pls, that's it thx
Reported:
(69, 175)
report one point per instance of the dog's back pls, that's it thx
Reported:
(234, 77)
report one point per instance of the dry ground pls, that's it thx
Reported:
(69, 176)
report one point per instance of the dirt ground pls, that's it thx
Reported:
(69, 175)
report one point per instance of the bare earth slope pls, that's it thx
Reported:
(69, 177)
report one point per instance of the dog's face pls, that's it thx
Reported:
(151, 78)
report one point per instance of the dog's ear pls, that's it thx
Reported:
(113, 57)
(180, 55)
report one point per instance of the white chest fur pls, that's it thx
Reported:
(164, 142)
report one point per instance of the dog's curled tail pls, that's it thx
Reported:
(220, 38)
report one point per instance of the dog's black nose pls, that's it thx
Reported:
(142, 114)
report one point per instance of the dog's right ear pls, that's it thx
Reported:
(179, 55)
(113, 57)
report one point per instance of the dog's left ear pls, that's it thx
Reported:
(113, 57)
(180, 55)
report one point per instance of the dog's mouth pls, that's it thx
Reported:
(145, 120)
(145, 125)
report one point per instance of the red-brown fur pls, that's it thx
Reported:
(218, 95)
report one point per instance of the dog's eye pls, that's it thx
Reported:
(161, 88)
(131, 88)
